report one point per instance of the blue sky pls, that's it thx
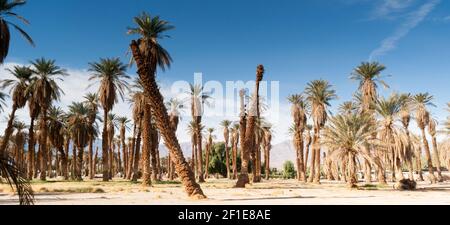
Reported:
(297, 41)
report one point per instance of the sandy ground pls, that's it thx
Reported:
(220, 191)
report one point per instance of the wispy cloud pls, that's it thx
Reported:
(389, 8)
(413, 20)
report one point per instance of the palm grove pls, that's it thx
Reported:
(370, 133)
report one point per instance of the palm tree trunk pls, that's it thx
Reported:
(146, 148)
(43, 144)
(90, 155)
(125, 155)
(131, 152)
(428, 158)
(163, 123)
(8, 130)
(207, 150)
(105, 146)
(80, 163)
(419, 164)
(352, 180)
(267, 160)
(227, 157)
(317, 157)
(436, 159)
(64, 168)
(306, 159)
(234, 150)
(31, 149)
(201, 177)
(134, 176)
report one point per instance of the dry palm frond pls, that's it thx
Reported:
(16, 179)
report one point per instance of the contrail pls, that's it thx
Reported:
(414, 19)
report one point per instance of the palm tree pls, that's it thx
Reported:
(368, 74)
(226, 135)
(91, 102)
(112, 125)
(46, 90)
(198, 98)
(18, 87)
(111, 75)
(298, 112)
(6, 10)
(234, 147)
(348, 135)
(56, 129)
(308, 141)
(319, 94)
(175, 106)
(148, 55)
(19, 141)
(267, 148)
(348, 108)
(80, 129)
(433, 132)
(388, 110)
(405, 118)
(420, 102)
(250, 122)
(209, 144)
(123, 124)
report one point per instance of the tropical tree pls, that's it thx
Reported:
(18, 87)
(148, 55)
(405, 118)
(420, 102)
(91, 102)
(56, 128)
(319, 94)
(209, 144)
(7, 8)
(80, 129)
(298, 112)
(123, 124)
(234, 146)
(226, 135)
(249, 124)
(433, 132)
(111, 75)
(45, 90)
(175, 106)
(348, 135)
(267, 148)
(368, 74)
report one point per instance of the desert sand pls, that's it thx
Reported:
(220, 191)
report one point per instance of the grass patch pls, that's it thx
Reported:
(167, 182)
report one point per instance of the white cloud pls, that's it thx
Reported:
(413, 20)
(389, 8)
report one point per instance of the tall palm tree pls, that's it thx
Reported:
(250, 122)
(34, 111)
(175, 106)
(388, 110)
(148, 55)
(46, 90)
(308, 141)
(56, 129)
(420, 102)
(111, 75)
(110, 129)
(298, 112)
(405, 118)
(319, 94)
(19, 142)
(91, 102)
(368, 74)
(209, 144)
(18, 87)
(6, 10)
(123, 124)
(198, 98)
(80, 129)
(226, 135)
(433, 132)
(348, 135)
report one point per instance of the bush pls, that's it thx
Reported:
(288, 170)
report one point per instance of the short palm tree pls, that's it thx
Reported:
(113, 80)
(420, 102)
(348, 108)
(319, 94)
(225, 124)
(348, 135)
(45, 91)
(18, 87)
(6, 10)
(149, 55)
